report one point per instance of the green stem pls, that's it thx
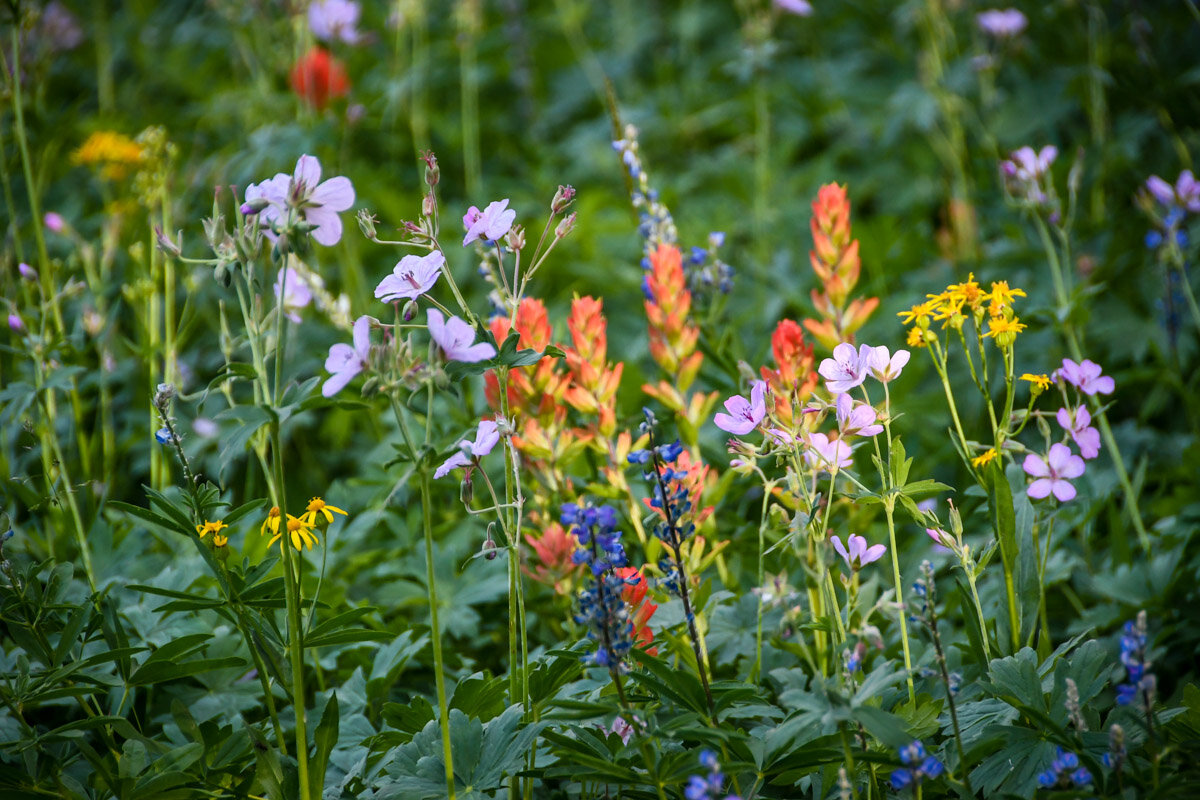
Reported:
(888, 508)
(436, 633)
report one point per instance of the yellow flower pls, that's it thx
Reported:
(1002, 297)
(115, 153)
(211, 527)
(219, 540)
(1004, 330)
(299, 532)
(916, 337)
(271, 523)
(318, 507)
(984, 458)
(921, 311)
(1040, 382)
(966, 293)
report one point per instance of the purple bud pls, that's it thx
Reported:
(54, 222)
(15, 323)
(27, 272)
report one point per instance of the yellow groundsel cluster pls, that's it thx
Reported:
(960, 301)
(300, 529)
(113, 152)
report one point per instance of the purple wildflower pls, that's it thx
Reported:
(801, 8)
(886, 367)
(457, 339)
(15, 324)
(856, 419)
(330, 20)
(848, 367)
(1053, 473)
(1185, 192)
(836, 454)
(27, 272)
(744, 415)
(487, 435)
(1086, 377)
(54, 222)
(1001, 23)
(489, 224)
(318, 203)
(858, 555)
(1078, 424)
(296, 294)
(412, 277)
(344, 361)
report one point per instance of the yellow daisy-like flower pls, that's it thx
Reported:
(921, 311)
(916, 338)
(219, 540)
(1004, 330)
(113, 152)
(299, 532)
(318, 507)
(967, 293)
(984, 458)
(271, 523)
(211, 527)
(1002, 297)
(1040, 382)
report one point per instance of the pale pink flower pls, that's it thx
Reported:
(345, 362)
(456, 338)
(1085, 376)
(54, 222)
(858, 555)
(487, 435)
(744, 415)
(1053, 473)
(801, 8)
(1002, 24)
(886, 367)
(412, 277)
(318, 203)
(848, 367)
(1079, 425)
(334, 19)
(489, 224)
(296, 294)
(856, 419)
(822, 452)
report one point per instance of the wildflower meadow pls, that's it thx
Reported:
(718, 400)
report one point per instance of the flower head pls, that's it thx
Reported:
(487, 435)
(412, 277)
(319, 508)
(1184, 194)
(115, 154)
(334, 19)
(1078, 423)
(457, 339)
(848, 367)
(344, 361)
(858, 555)
(1002, 24)
(856, 419)
(54, 222)
(984, 458)
(214, 528)
(318, 78)
(490, 224)
(317, 203)
(1053, 473)
(744, 415)
(834, 454)
(801, 8)
(1086, 377)
(1040, 382)
(885, 366)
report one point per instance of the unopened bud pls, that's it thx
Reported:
(747, 372)
(54, 222)
(566, 226)
(252, 207)
(466, 489)
(433, 173)
(93, 323)
(410, 310)
(562, 198)
(428, 205)
(15, 323)
(166, 245)
(516, 238)
(163, 394)
(222, 274)
(371, 386)
(366, 224)
(27, 272)
(489, 544)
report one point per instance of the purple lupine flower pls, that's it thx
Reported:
(801, 8)
(54, 222)
(317, 202)
(330, 20)
(1053, 473)
(858, 555)
(744, 415)
(1185, 193)
(486, 437)
(885, 366)
(1001, 23)
(848, 367)
(856, 419)
(344, 361)
(836, 454)
(489, 224)
(1078, 424)
(412, 277)
(1085, 376)
(457, 339)
(296, 294)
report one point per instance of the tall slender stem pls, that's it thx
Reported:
(889, 509)
(436, 633)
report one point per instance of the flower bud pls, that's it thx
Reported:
(428, 205)
(166, 245)
(366, 224)
(93, 323)
(163, 394)
(433, 173)
(466, 489)
(410, 310)
(15, 323)
(222, 274)
(562, 198)
(489, 544)
(27, 272)
(566, 226)
(54, 222)
(516, 238)
(252, 207)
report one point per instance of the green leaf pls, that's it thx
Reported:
(507, 356)
(325, 738)
(146, 515)
(480, 696)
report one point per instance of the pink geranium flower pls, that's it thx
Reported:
(1078, 424)
(848, 367)
(292, 293)
(858, 555)
(1086, 377)
(1001, 23)
(487, 435)
(345, 362)
(1053, 473)
(412, 277)
(856, 419)
(886, 367)
(334, 19)
(836, 454)
(489, 224)
(318, 203)
(457, 339)
(744, 415)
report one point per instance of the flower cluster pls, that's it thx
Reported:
(487, 436)
(655, 223)
(793, 379)
(334, 20)
(962, 301)
(1027, 175)
(708, 786)
(1065, 772)
(834, 259)
(918, 766)
(299, 529)
(1183, 196)
(114, 153)
(593, 380)
(219, 539)
(1140, 682)
(601, 605)
(705, 269)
